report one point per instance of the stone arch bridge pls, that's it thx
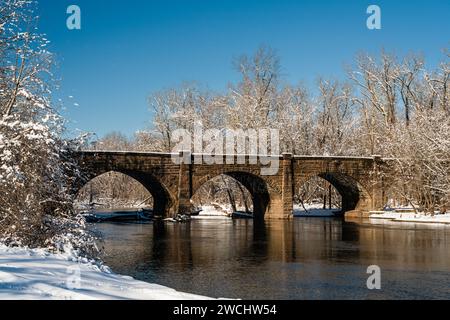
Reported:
(173, 183)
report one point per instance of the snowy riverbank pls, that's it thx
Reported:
(313, 210)
(38, 275)
(213, 212)
(411, 217)
(221, 212)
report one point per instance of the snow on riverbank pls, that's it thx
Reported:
(313, 210)
(212, 211)
(38, 275)
(411, 217)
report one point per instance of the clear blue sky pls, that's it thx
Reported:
(128, 49)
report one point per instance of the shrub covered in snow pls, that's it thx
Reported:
(36, 175)
(36, 170)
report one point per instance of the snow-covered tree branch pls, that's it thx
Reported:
(36, 170)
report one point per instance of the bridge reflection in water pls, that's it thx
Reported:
(300, 259)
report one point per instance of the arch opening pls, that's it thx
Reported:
(331, 194)
(234, 191)
(117, 189)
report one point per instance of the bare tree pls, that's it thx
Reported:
(254, 100)
(335, 119)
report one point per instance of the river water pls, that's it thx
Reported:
(307, 258)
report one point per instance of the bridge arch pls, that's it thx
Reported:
(162, 198)
(173, 183)
(355, 196)
(254, 184)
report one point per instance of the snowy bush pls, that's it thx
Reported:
(35, 181)
(36, 170)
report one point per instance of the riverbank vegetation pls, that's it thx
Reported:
(36, 170)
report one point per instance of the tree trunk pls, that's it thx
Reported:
(244, 197)
(230, 195)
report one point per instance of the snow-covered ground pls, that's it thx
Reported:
(212, 212)
(411, 217)
(313, 210)
(38, 275)
(222, 211)
(111, 204)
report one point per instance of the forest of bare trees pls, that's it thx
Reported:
(388, 106)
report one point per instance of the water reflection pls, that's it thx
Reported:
(301, 259)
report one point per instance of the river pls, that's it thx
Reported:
(306, 258)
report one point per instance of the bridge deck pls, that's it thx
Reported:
(169, 155)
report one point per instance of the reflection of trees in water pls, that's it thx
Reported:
(213, 257)
(187, 246)
(309, 239)
(405, 245)
(253, 242)
(172, 245)
(199, 246)
(120, 251)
